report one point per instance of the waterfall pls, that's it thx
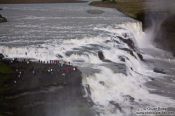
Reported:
(115, 84)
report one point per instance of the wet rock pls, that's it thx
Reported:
(157, 70)
(102, 83)
(1, 56)
(95, 11)
(132, 47)
(129, 98)
(100, 55)
(116, 41)
(152, 79)
(88, 90)
(116, 105)
(122, 58)
(2, 19)
(0, 8)
(129, 51)
(59, 56)
(140, 56)
(129, 42)
(109, 41)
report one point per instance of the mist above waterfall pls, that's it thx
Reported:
(159, 18)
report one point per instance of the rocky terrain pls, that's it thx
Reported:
(2, 19)
(166, 33)
(40, 88)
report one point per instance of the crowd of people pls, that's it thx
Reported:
(66, 67)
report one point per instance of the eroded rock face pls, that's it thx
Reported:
(163, 23)
(166, 34)
(2, 19)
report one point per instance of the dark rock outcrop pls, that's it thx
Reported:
(132, 47)
(140, 56)
(128, 51)
(122, 58)
(2, 19)
(1, 56)
(129, 42)
(39, 89)
(100, 55)
(165, 37)
(158, 70)
(129, 98)
(117, 105)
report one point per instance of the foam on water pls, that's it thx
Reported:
(112, 93)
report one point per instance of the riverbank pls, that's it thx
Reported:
(38, 1)
(41, 88)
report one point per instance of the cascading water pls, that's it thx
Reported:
(114, 82)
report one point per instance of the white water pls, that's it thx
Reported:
(105, 85)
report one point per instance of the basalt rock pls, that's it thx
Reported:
(117, 105)
(157, 70)
(1, 56)
(129, 42)
(2, 19)
(122, 58)
(129, 98)
(147, 17)
(140, 56)
(164, 38)
(129, 51)
(100, 55)
(132, 47)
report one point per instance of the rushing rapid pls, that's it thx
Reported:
(112, 63)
